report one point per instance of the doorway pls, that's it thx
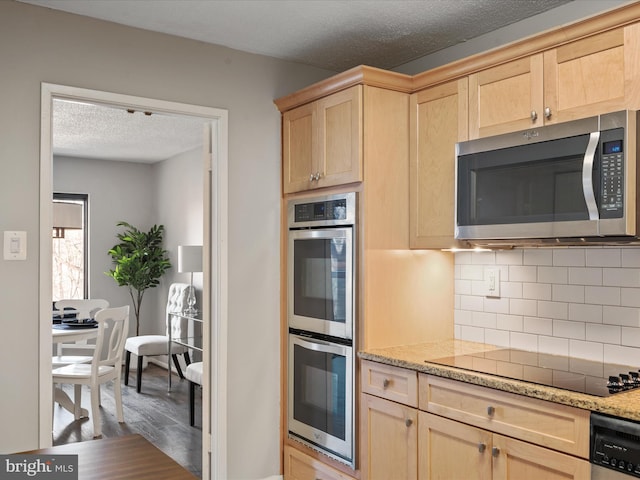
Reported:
(214, 304)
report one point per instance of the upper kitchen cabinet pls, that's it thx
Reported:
(592, 76)
(586, 77)
(322, 142)
(438, 119)
(506, 98)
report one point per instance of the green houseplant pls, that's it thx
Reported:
(139, 262)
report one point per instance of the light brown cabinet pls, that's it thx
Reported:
(461, 430)
(299, 466)
(438, 119)
(322, 142)
(556, 426)
(389, 430)
(450, 449)
(590, 76)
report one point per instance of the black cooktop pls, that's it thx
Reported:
(569, 373)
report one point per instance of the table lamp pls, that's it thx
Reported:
(189, 261)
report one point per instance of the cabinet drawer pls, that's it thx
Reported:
(299, 466)
(393, 383)
(551, 425)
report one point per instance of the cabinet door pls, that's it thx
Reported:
(449, 449)
(439, 119)
(506, 98)
(516, 460)
(298, 148)
(298, 466)
(389, 440)
(591, 76)
(340, 138)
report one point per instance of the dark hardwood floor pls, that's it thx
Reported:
(161, 417)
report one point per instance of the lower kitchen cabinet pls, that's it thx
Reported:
(464, 431)
(450, 449)
(390, 439)
(300, 466)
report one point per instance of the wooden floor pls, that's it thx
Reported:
(161, 417)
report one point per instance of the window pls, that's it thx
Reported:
(70, 242)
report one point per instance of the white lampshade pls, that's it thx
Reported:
(189, 258)
(67, 215)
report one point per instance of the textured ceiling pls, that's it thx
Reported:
(329, 34)
(102, 132)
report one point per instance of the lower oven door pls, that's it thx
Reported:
(320, 391)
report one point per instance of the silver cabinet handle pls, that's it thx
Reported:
(495, 451)
(534, 115)
(491, 410)
(385, 383)
(408, 422)
(318, 176)
(482, 447)
(312, 177)
(547, 112)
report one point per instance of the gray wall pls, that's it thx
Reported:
(40, 45)
(117, 191)
(168, 193)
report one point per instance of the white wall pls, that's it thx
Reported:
(40, 45)
(583, 302)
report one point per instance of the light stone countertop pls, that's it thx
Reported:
(416, 357)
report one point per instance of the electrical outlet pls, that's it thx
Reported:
(492, 282)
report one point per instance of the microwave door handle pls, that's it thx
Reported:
(587, 176)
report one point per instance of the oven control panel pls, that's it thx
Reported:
(615, 444)
(330, 210)
(321, 211)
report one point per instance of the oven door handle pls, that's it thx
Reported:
(587, 176)
(320, 345)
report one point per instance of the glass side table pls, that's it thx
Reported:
(190, 334)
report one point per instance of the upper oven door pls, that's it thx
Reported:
(320, 281)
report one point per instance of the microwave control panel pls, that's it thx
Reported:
(612, 179)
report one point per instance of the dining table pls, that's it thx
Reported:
(68, 333)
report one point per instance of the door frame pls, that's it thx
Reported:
(215, 275)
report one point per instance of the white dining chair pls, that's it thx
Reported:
(193, 373)
(154, 345)
(105, 366)
(84, 309)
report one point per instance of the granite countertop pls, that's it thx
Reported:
(416, 357)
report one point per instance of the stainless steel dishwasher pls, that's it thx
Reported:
(614, 448)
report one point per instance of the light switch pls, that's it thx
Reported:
(15, 245)
(492, 282)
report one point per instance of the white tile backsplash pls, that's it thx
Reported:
(569, 257)
(603, 257)
(553, 275)
(585, 276)
(579, 301)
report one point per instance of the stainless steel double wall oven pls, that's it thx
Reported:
(321, 318)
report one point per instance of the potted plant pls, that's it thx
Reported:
(139, 262)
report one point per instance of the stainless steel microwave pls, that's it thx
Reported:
(571, 183)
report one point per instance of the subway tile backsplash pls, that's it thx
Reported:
(583, 302)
